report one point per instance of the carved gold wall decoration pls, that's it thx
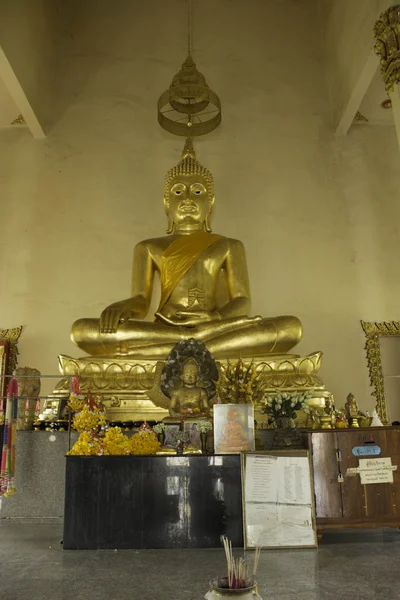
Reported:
(387, 46)
(19, 121)
(374, 331)
(360, 117)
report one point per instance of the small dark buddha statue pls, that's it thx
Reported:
(190, 399)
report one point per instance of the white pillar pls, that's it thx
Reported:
(395, 97)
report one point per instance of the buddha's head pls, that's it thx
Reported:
(188, 193)
(190, 372)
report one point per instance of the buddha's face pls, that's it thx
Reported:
(190, 374)
(188, 201)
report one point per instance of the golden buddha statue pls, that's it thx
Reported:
(191, 261)
(190, 400)
(204, 295)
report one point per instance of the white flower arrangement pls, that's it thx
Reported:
(204, 426)
(285, 404)
(160, 428)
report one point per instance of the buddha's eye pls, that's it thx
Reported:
(198, 190)
(177, 192)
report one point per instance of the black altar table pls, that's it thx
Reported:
(152, 502)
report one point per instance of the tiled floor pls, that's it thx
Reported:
(33, 566)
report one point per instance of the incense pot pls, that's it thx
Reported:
(219, 587)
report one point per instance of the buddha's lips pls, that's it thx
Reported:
(189, 208)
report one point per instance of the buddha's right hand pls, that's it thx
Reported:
(113, 315)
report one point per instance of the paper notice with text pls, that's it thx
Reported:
(376, 470)
(278, 501)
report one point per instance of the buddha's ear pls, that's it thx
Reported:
(171, 224)
(166, 204)
(207, 224)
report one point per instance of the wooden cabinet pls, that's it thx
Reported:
(341, 500)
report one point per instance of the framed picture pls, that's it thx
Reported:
(170, 439)
(233, 428)
(278, 500)
(190, 427)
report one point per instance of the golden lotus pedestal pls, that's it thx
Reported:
(130, 390)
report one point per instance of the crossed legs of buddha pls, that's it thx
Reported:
(230, 338)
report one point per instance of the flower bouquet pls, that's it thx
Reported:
(160, 429)
(281, 407)
(203, 427)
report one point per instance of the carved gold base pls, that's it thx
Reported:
(130, 390)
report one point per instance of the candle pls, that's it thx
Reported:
(27, 405)
(37, 407)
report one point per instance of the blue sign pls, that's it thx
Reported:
(366, 450)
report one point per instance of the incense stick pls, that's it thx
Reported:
(237, 568)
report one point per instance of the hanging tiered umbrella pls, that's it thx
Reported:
(7, 472)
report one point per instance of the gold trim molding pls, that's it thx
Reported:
(374, 331)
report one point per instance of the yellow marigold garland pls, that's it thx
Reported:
(144, 442)
(87, 445)
(116, 443)
(76, 402)
(89, 418)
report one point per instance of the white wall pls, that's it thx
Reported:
(319, 217)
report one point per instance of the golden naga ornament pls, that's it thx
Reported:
(387, 46)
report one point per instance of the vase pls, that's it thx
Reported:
(203, 440)
(285, 423)
(286, 435)
(218, 588)
(161, 437)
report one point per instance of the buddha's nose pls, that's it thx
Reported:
(187, 200)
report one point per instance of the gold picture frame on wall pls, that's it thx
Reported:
(374, 331)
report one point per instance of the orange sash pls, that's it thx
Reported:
(179, 257)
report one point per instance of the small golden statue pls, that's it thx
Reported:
(352, 411)
(190, 400)
(233, 439)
